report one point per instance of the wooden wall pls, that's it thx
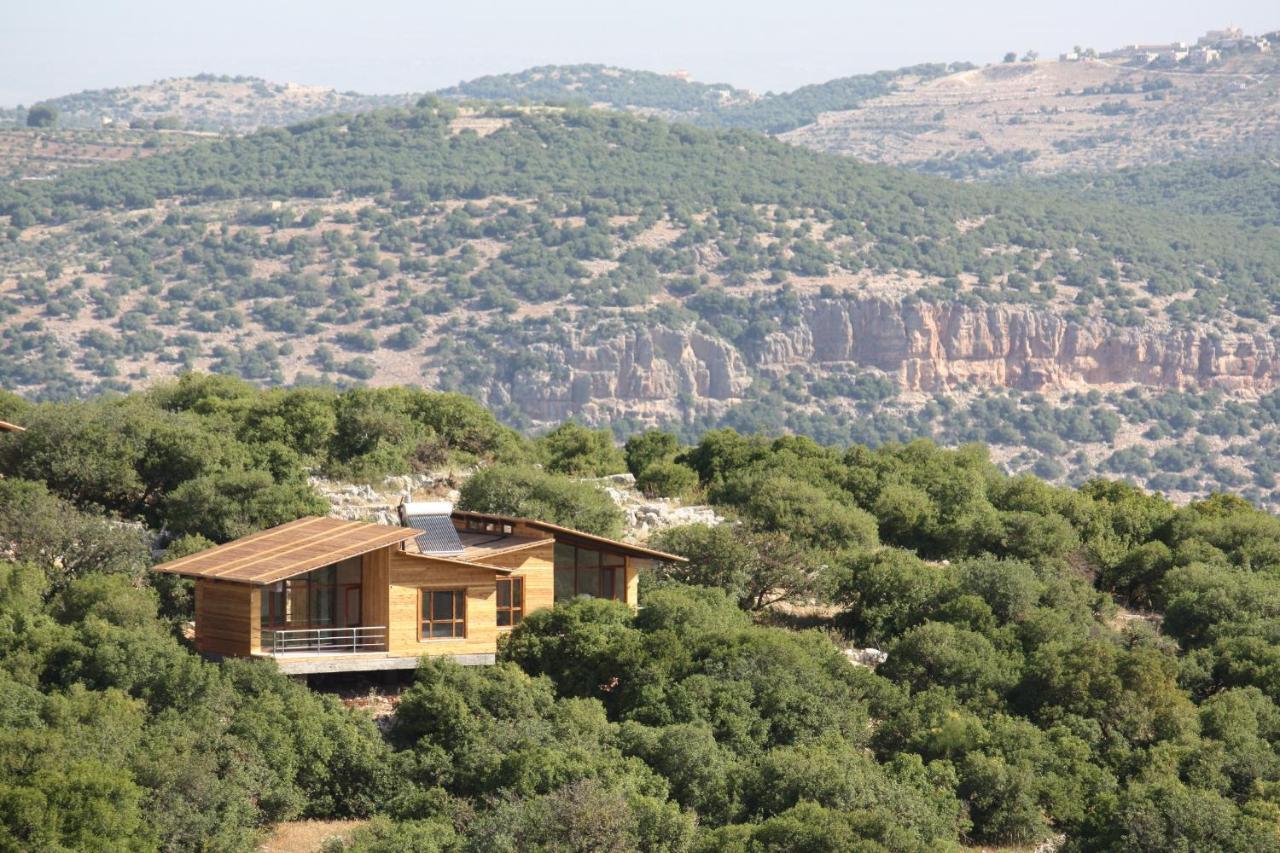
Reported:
(410, 574)
(633, 581)
(375, 575)
(228, 614)
(535, 566)
(227, 617)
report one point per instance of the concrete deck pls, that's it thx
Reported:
(318, 664)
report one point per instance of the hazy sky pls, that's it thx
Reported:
(53, 47)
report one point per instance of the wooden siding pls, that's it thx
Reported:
(393, 581)
(633, 582)
(535, 565)
(410, 574)
(226, 618)
(375, 576)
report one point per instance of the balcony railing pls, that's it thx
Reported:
(367, 638)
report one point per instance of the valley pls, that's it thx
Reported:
(582, 459)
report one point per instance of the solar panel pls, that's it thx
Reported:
(438, 536)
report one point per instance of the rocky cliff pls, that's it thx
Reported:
(930, 347)
(641, 371)
(925, 347)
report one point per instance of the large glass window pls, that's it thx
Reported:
(444, 614)
(328, 597)
(510, 601)
(588, 571)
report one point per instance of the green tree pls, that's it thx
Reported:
(577, 451)
(527, 492)
(230, 504)
(644, 449)
(42, 115)
(756, 569)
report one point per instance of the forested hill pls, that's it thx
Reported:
(595, 84)
(1247, 188)
(574, 263)
(708, 105)
(1093, 668)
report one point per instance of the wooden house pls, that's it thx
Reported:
(326, 595)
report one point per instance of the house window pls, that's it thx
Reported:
(327, 597)
(587, 571)
(444, 614)
(510, 601)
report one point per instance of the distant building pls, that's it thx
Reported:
(1205, 56)
(1214, 37)
(680, 74)
(1138, 54)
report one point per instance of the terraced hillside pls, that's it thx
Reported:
(207, 102)
(1048, 116)
(953, 119)
(571, 263)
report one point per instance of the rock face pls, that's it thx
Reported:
(925, 347)
(645, 368)
(936, 347)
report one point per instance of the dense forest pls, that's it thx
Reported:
(1245, 188)
(1091, 662)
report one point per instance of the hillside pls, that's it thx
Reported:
(1050, 116)
(1245, 188)
(893, 649)
(953, 119)
(674, 97)
(602, 86)
(206, 102)
(36, 155)
(626, 271)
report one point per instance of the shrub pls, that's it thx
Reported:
(667, 479)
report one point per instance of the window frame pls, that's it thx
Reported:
(515, 613)
(425, 623)
(605, 565)
(321, 589)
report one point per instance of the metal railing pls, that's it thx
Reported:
(367, 638)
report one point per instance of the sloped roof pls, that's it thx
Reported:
(481, 545)
(290, 549)
(5, 426)
(436, 559)
(568, 533)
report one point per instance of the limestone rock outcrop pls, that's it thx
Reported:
(933, 347)
(925, 347)
(651, 368)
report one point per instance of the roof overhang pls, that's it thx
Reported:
(569, 534)
(454, 561)
(288, 550)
